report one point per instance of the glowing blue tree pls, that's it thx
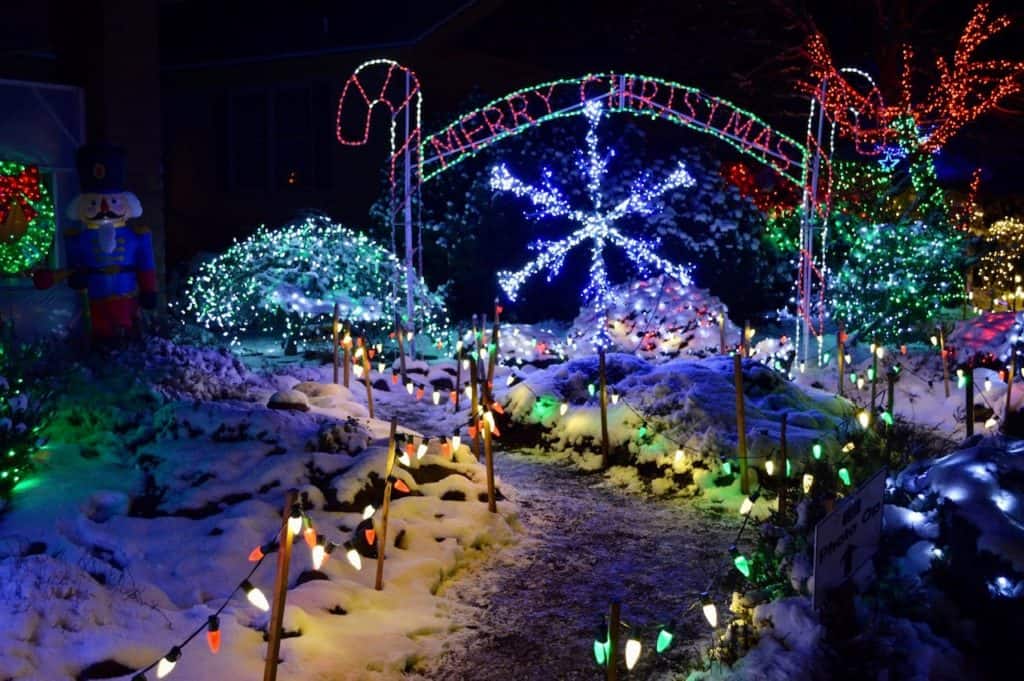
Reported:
(596, 224)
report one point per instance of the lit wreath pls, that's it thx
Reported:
(26, 217)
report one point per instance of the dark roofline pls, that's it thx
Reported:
(340, 49)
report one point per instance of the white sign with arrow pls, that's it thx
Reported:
(848, 537)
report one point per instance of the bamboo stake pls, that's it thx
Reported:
(346, 344)
(612, 663)
(474, 398)
(783, 455)
(334, 344)
(366, 376)
(969, 397)
(841, 351)
(603, 378)
(382, 540)
(1009, 386)
(945, 365)
(284, 556)
(493, 352)
(741, 427)
(488, 454)
(458, 373)
(874, 383)
(399, 335)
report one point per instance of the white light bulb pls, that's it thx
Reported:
(564, 408)
(710, 613)
(421, 451)
(353, 558)
(404, 460)
(409, 387)
(368, 512)
(436, 397)
(456, 443)
(679, 457)
(295, 524)
(808, 482)
(864, 419)
(165, 666)
(465, 365)
(257, 598)
(633, 648)
(319, 553)
(769, 467)
(357, 370)
(746, 506)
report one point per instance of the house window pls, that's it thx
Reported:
(249, 153)
(281, 140)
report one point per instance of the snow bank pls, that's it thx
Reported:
(143, 513)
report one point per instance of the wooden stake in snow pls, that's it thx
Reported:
(748, 335)
(874, 384)
(489, 460)
(382, 538)
(612, 663)
(783, 465)
(400, 337)
(945, 364)
(841, 357)
(346, 344)
(603, 379)
(284, 556)
(493, 350)
(458, 372)
(741, 426)
(366, 376)
(474, 398)
(334, 344)
(721, 332)
(969, 400)
(1009, 386)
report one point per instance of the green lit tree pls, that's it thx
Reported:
(896, 277)
(286, 281)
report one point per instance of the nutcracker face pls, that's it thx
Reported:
(106, 213)
(97, 210)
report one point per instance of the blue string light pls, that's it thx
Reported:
(596, 224)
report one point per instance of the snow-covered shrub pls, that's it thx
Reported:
(23, 411)
(657, 319)
(286, 281)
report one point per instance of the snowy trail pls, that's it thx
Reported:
(534, 606)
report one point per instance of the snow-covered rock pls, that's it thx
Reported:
(289, 399)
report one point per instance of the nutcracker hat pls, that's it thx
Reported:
(101, 168)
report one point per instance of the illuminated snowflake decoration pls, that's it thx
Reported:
(596, 225)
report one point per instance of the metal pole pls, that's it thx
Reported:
(410, 269)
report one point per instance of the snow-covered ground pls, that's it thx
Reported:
(166, 467)
(142, 515)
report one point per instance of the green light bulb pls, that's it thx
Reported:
(844, 475)
(816, 450)
(664, 641)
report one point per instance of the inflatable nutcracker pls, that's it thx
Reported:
(108, 259)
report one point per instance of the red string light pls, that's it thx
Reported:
(966, 88)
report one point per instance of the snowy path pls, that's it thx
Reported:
(535, 605)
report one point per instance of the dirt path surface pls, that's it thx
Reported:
(532, 608)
